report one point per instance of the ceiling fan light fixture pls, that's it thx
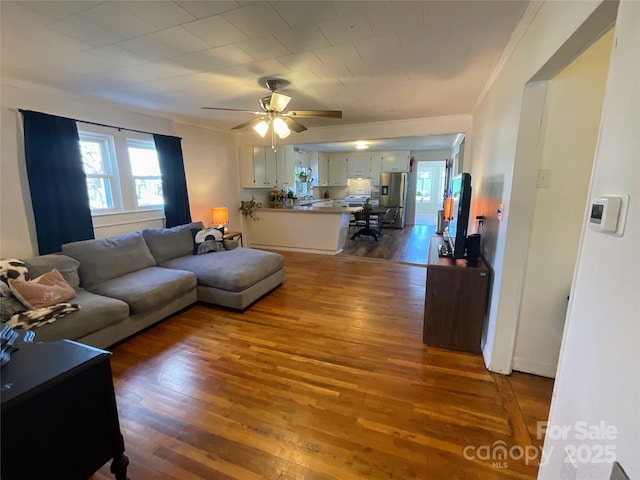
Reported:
(261, 128)
(285, 134)
(281, 128)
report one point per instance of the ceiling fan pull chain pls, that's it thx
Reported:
(273, 139)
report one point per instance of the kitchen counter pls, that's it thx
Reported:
(314, 209)
(314, 229)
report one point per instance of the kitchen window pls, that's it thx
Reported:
(424, 186)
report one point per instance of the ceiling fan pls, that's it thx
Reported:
(273, 115)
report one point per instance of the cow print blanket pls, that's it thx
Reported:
(41, 316)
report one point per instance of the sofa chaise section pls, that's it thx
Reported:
(232, 278)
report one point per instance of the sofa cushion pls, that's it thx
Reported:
(67, 266)
(148, 288)
(168, 243)
(232, 270)
(96, 312)
(108, 258)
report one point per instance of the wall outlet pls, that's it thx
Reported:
(569, 469)
(544, 178)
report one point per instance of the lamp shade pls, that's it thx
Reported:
(219, 215)
(261, 127)
(448, 208)
(280, 127)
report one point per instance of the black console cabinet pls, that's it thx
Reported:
(59, 415)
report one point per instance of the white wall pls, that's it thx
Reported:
(598, 375)
(572, 118)
(212, 173)
(210, 163)
(371, 131)
(493, 161)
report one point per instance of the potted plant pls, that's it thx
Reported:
(248, 207)
(301, 175)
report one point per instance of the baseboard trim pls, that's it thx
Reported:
(542, 369)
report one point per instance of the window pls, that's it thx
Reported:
(424, 186)
(430, 182)
(122, 169)
(145, 171)
(98, 160)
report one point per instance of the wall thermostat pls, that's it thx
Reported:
(607, 214)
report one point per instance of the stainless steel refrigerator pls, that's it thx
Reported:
(393, 194)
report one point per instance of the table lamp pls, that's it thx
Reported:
(220, 216)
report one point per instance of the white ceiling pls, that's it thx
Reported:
(374, 60)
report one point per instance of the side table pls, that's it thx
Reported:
(230, 235)
(59, 414)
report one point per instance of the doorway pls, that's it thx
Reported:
(566, 145)
(429, 191)
(426, 186)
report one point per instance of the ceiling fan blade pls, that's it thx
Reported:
(232, 110)
(250, 123)
(315, 113)
(293, 125)
(278, 102)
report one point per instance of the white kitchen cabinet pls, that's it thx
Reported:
(338, 170)
(376, 168)
(264, 167)
(285, 166)
(359, 165)
(395, 161)
(245, 158)
(320, 166)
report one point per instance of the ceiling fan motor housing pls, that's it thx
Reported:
(265, 103)
(273, 84)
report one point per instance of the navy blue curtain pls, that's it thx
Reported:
(57, 181)
(174, 181)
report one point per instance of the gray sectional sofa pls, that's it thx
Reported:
(128, 282)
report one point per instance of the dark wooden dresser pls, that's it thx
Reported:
(59, 415)
(455, 301)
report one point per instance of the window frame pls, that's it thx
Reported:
(119, 141)
(134, 142)
(111, 174)
(431, 170)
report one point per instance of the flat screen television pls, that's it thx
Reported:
(457, 230)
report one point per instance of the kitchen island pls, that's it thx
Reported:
(314, 229)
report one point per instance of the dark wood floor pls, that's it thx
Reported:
(324, 378)
(405, 245)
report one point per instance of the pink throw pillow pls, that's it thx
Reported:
(44, 291)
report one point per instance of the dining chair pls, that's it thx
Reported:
(358, 220)
(389, 219)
